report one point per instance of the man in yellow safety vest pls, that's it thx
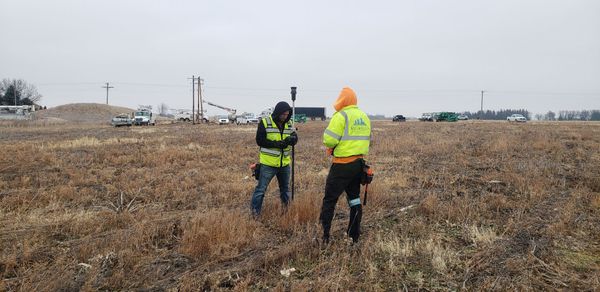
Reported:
(275, 136)
(347, 138)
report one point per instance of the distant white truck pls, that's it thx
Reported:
(247, 119)
(144, 116)
(183, 115)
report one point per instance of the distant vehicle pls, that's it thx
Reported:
(463, 117)
(247, 119)
(427, 117)
(265, 113)
(398, 118)
(183, 115)
(18, 112)
(222, 120)
(144, 116)
(516, 118)
(445, 117)
(121, 120)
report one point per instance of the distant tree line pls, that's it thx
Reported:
(18, 92)
(377, 117)
(566, 115)
(497, 115)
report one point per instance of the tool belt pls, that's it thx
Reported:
(366, 177)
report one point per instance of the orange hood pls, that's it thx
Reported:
(347, 97)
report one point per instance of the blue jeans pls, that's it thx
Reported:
(266, 174)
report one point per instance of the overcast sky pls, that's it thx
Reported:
(401, 57)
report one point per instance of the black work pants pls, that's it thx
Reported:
(343, 177)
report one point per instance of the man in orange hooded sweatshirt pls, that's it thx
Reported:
(347, 138)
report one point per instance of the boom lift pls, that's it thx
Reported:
(232, 112)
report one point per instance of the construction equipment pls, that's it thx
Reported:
(232, 112)
(446, 116)
(299, 118)
(183, 115)
(439, 117)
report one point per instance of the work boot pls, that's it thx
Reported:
(325, 239)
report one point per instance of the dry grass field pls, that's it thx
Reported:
(454, 206)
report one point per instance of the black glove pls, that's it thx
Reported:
(281, 144)
(292, 139)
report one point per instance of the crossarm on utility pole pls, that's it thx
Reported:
(107, 86)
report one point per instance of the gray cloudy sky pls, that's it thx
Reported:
(404, 57)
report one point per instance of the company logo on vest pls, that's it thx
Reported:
(359, 122)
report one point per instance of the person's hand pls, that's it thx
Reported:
(281, 144)
(292, 139)
(329, 151)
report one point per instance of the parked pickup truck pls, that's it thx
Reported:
(398, 118)
(247, 119)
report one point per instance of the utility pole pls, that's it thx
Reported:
(481, 112)
(15, 91)
(107, 86)
(197, 109)
(193, 100)
(200, 105)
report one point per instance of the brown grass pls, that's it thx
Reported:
(473, 206)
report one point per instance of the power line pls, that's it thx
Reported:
(151, 84)
(368, 90)
(541, 92)
(67, 84)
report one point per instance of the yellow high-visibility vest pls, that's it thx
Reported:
(275, 157)
(349, 132)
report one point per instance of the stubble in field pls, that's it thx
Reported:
(476, 205)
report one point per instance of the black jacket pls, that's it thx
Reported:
(261, 132)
